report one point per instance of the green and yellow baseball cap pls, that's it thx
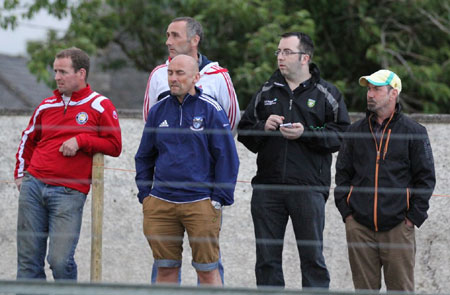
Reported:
(381, 78)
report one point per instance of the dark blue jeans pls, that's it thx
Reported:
(53, 213)
(270, 212)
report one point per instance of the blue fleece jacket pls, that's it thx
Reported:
(187, 152)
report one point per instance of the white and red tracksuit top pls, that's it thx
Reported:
(89, 117)
(215, 82)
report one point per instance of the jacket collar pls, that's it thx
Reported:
(76, 95)
(188, 97)
(202, 61)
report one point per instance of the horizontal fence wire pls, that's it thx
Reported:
(259, 186)
(283, 187)
(70, 288)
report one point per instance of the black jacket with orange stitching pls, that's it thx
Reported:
(402, 184)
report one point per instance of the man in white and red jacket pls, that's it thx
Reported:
(184, 35)
(54, 166)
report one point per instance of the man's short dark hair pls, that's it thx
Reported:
(389, 88)
(80, 59)
(193, 27)
(306, 44)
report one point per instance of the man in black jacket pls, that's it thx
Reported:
(293, 122)
(385, 178)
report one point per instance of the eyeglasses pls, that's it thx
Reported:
(287, 52)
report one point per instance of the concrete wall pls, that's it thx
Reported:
(127, 257)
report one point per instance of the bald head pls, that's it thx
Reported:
(186, 61)
(182, 75)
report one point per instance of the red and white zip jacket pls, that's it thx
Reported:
(89, 117)
(214, 81)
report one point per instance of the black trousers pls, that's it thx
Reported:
(270, 212)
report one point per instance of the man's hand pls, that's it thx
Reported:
(293, 132)
(18, 182)
(409, 223)
(69, 148)
(273, 122)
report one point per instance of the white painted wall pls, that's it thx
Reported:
(126, 254)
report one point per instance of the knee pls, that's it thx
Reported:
(62, 268)
(168, 275)
(167, 271)
(210, 277)
(205, 274)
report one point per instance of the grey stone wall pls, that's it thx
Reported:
(127, 257)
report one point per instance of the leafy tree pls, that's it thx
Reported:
(410, 37)
(352, 38)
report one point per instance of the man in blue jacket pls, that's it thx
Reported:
(186, 170)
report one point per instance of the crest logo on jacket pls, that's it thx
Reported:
(311, 102)
(197, 124)
(270, 102)
(82, 118)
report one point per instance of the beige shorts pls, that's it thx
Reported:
(164, 226)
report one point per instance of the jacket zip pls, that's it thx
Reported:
(387, 144)
(286, 143)
(181, 108)
(377, 165)
(66, 105)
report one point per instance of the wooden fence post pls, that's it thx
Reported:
(97, 217)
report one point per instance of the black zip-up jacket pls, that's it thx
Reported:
(319, 106)
(382, 182)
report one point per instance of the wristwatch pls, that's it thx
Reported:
(216, 204)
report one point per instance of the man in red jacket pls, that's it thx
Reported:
(54, 164)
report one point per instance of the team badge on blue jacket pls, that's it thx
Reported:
(311, 102)
(197, 124)
(82, 118)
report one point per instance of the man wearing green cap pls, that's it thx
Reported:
(384, 180)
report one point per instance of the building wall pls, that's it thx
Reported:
(127, 257)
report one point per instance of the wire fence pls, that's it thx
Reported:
(70, 288)
(243, 183)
